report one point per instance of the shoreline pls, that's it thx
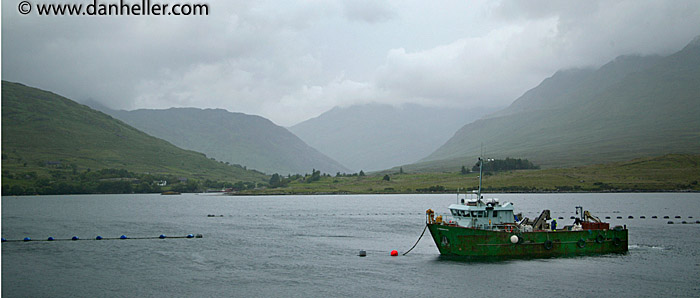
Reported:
(370, 193)
(429, 193)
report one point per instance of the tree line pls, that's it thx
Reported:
(107, 181)
(508, 164)
(277, 180)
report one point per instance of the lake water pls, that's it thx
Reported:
(301, 246)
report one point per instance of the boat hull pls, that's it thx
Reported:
(454, 240)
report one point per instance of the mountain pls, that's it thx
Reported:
(375, 136)
(631, 107)
(42, 130)
(237, 138)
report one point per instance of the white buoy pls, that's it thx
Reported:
(514, 239)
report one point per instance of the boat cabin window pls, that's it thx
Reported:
(465, 213)
(495, 213)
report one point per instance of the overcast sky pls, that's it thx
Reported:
(293, 60)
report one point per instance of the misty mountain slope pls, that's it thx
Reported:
(375, 136)
(40, 128)
(559, 89)
(631, 107)
(237, 138)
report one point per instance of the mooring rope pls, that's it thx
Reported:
(414, 245)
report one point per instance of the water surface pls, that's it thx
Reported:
(307, 246)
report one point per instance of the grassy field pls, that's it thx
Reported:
(673, 172)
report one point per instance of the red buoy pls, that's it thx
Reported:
(394, 253)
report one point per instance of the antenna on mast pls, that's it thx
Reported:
(481, 170)
(481, 173)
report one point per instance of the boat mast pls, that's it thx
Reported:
(481, 173)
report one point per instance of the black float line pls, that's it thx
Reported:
(98, 238)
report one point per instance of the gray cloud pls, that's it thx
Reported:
(369, 11)
(292, 61)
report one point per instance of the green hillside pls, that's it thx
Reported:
(248, 140)
(44, 134)
(631, 107)
(673, 172)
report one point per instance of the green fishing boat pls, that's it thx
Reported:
(486, 228)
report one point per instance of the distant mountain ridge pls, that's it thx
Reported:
(237, 138)
(41, 129)
(377, 136)
(631, 107)
(558, 89)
